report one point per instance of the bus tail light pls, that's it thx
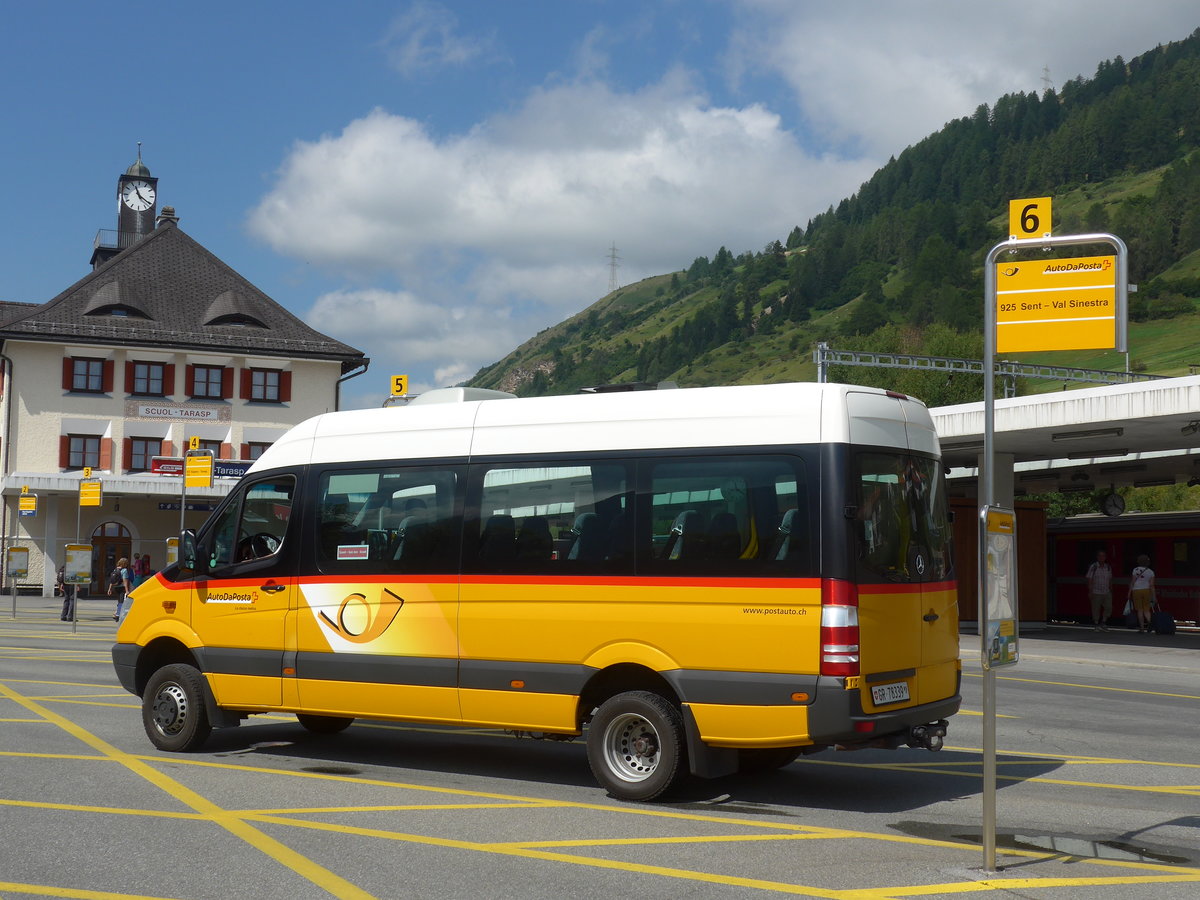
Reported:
(839, 628)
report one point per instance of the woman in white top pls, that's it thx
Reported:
(1141, 591)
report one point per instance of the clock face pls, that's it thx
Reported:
(1112, 504)
(138, 195)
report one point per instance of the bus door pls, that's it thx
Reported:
(242, 604)
(377, 632)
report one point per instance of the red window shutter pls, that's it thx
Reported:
(285, 386)
(169, 379)
(107, 385)
(189, 389)
(166, 449)
(127, 454)
(227, 383)
(226, 451)
(129, 376)
(68, 372)
(106, 453)
(245, 452)
(247, 383)
(64, 450)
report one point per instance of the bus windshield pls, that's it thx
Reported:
(902, 523)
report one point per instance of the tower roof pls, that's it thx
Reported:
(167, 291)
(138, 168)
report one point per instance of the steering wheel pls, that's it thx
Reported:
(257, 546)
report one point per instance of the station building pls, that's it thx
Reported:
(160, 345)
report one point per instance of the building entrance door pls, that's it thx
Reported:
(110, 542)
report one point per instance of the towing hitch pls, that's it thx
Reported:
(928, 737)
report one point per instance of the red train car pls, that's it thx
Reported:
(1171, 540)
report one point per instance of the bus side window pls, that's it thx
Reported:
(551, 517)
(254, 525)
(379, 520)
(721, 515)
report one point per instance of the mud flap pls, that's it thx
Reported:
(705, 761)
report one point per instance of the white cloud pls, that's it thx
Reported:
(513, 219)
(426, 37)
(882, 76)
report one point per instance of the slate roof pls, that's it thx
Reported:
(175, 294)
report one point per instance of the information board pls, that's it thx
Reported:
(998, 609)
(1056, 304)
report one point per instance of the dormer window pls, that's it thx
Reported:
(237, 320)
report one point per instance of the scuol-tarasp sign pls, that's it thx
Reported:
(185, 413)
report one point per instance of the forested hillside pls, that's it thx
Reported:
(897, 266)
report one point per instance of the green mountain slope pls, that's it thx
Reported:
(898, 266)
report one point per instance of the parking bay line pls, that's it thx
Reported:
(281, 853)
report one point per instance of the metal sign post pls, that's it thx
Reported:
(1046, 305)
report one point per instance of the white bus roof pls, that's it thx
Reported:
(754, 415)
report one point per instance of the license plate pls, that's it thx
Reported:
(889, 693)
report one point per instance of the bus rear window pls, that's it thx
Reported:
(902, 523)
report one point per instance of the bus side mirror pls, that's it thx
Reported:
(191, 554)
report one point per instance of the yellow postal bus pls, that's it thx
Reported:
(700, 580)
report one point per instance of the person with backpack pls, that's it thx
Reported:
(119, 586)
(1142, 592)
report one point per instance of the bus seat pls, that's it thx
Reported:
(783, 546)
(498, 542)
(684, 537)
(619, 540)
(534, 540)
(407, 535)
(589, 538)
(724, 538)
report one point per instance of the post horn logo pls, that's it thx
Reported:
(360, 621)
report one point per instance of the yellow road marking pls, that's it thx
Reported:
(972, 712)
(281, 853)
(1181, 791)
(1090, 687)
(107, 810)
(44, 890)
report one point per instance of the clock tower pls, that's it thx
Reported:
(137, 207)
(137, 202)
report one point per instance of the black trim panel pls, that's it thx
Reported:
(739, 688)
(539, 678)
(125, 658)
(240, 661)
(374, 668)
(877, 677)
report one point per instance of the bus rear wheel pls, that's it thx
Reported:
(173, 711)
(635, 745)
(324, 724)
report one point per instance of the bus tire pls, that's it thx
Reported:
(324, 724)
(173, 711)
(635, 745)
(765, 759)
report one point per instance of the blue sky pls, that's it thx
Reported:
(435, 182)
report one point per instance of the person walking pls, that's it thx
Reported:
(1142, 592)
(119, 586)
(1099, 582)
(68, 593)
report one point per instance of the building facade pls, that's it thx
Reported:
(160, 347)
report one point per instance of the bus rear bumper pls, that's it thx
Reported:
(837, 719)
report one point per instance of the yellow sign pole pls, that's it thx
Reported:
(1048, 336)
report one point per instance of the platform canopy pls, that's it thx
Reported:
(1119, 435)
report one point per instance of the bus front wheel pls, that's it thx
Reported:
(173, 711)
(635, 745)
